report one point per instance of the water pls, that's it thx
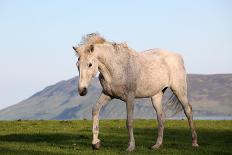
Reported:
(203, 118)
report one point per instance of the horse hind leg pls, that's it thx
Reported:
(183, 99)
(156, 102)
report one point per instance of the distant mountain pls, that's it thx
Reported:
(210, 95)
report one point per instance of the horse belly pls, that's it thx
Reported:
(153, 80)
(148, 90)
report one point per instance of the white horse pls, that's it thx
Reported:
(126, 74)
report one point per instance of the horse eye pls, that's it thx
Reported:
(78, 58)
(90, 65)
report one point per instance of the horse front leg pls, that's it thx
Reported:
(103, 99)
(129, 123)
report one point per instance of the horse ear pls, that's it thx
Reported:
(75, 49)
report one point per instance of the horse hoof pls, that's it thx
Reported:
(96, 146)
(155, 147)
(130, 149)
(195, 145)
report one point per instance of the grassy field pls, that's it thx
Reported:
(74, 137)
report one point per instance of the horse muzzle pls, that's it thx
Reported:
(83, 91)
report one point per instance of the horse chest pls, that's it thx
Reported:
(113, 89)
(106, 87)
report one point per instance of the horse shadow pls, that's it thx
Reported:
(175, 139)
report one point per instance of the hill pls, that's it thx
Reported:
(210, 95)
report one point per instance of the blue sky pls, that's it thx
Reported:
(36, 36)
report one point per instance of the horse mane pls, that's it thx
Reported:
(96, 38)
(92, 38)
(118, 46)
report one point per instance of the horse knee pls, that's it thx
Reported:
(94, 111)
(160, 123)
(160, 116)
(129, 124)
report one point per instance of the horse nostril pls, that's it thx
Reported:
(83, 92)
(84, 89)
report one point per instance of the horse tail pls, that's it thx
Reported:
(173, 104)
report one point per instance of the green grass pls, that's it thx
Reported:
(74, 137)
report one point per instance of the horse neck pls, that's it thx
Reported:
(112, 62)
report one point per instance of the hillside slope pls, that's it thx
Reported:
(210, 95)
